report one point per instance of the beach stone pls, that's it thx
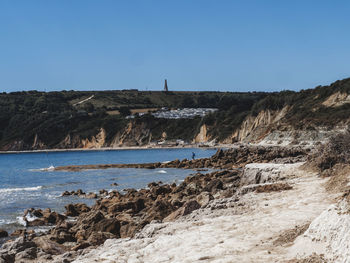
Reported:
(3, 233)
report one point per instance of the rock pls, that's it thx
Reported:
(91, 196)
(49, 246)
(47, 219)
(159, 210)
(190, 206)
(110, 225)
(12, 248)
(129, 229)
(103, 192)
(186, 209)
(76, 209)
(204, 198)
(3, 233)
(29, 253)
(66, 193)
(81, 246)
(79, 192)
(214, 185)
(98, 238)
(135, 206)
(92, 218)
(114, 184)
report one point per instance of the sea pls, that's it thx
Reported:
(26, 182)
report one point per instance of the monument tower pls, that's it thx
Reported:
(165, 86)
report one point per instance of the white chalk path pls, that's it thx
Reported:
(85, 100)
(244, 232)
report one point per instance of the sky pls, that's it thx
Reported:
(204, 45)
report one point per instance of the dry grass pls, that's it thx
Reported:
(145, 110)
(339, 179)
(113, 112)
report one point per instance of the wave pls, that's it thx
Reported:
(47, 169)
(8, 190)
(162, 171)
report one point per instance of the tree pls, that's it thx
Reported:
(124, 111)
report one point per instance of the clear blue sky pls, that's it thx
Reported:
(196, 44)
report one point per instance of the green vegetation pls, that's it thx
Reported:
(54, 115)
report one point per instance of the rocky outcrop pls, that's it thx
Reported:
(337, 99)
(119, 215)
(255, 128)
(95, 142)
(202, 136)
(228, 159)
(133, 135)
(38, 144)
(42, 217)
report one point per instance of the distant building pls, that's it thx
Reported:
(165, 86)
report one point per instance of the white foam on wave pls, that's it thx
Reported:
(162, 172)
(29, 217)
(47, 169)
(8, 190)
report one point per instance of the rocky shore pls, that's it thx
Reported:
(122, 215)
(223, 159)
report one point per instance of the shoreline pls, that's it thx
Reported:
(148, 147)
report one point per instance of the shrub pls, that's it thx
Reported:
(337, 150)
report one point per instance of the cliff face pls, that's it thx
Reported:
(132, 135)
(202, 136)
(95, 142)
(274, 128)
(337, 99)
(255, 128)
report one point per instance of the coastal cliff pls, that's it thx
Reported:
(56, 120)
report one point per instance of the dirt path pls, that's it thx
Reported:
(85, 100)
(259, 227)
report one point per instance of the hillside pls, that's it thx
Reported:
(93, 119)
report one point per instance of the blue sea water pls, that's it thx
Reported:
(23, 183)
